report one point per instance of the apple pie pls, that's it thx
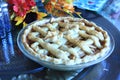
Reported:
(66, 40)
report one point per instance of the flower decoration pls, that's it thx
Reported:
(60, 7)
(24, 11)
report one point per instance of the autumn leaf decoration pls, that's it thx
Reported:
(24, 11)
(60, 7)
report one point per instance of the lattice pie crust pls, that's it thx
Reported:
(66, 40)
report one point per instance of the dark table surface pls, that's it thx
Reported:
(108, 69)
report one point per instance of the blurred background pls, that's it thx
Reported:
(110, 9)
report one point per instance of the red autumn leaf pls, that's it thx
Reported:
(31, 3)
(20, 7)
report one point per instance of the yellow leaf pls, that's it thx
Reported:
(53, 3)
(24, 24)
(79, 14)
(19, 20)
(69, 1)
(40, 15)
(12, 16)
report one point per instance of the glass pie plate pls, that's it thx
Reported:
(63, 67)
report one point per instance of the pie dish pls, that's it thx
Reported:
(65, 41)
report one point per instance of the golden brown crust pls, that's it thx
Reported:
(66, 40)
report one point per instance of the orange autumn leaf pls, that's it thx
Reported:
(55, 6)
(40, 15)
(48, 7)
(59, 13)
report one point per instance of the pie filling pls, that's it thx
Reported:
(66, 40)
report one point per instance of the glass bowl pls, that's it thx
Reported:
(63, 67)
